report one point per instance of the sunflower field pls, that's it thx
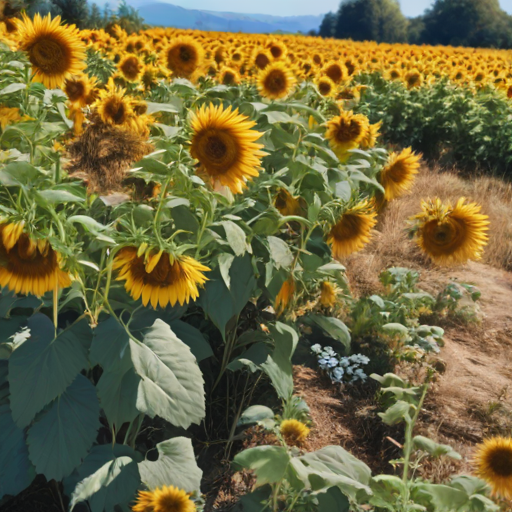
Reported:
(175, 211)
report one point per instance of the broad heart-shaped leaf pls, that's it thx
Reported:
(193, 338)
(443, 497)
(269, 463)
(171, 385)
(65, 431)
(112, 484)
(396, 413)
(176, 465)
(16, 471)
(235, 236)
(280, 252)
(18, 173)
(334, 327)
(278, 366)
(435, 449)
(333, 500)
(44, 366)
(220, 303)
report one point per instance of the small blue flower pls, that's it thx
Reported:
(337, 374)
(327, 362)
(316, 349)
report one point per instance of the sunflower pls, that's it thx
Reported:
(397, 176)
(225, 146)
(327, 294)
(494, 464)
(159, 277)
(284, 296)
(54, 51)
(294, 432)
(164, 499)
(277, 49)
(352, 231)
(336, 71)
(131, 68)
(451, 235)
(229, 76)
(413, 78)
(288, 204)
(113, 107)
(326, 87)
(261, 58)
(28, 265)
(78, 89)
(346, 131)
(184, 56)
(9, 115)
(276, 81)
(371, 137)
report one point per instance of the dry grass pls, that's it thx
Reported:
(391, 245)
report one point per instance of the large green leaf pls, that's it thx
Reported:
(235, 236)
(269, 463)
(176, 465)
(220, 303)
(435, 449)
(112, 484)
(278, 365)
(193, 338)
(334, 327)
(16, 471)
(44, 366)
(333, 500)
(171, 383)
(280, 252)
(18, 173)
(65, 431)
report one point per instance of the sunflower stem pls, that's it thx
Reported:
(159, 209)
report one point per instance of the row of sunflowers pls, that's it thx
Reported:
(175, 209)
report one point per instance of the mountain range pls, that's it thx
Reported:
(168, 15)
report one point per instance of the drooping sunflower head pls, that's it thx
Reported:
(285, 296)
(493, 462)
(451, 235)
(159, 277)
(164, 499)
(54, 51)
(294, 432)
(276, 81)
(29, 266)
(371, 137)
(397, 176)
(131, 68)
(229, 76)
(352, 230)
(184, 56)
(346, 131)
(225, 146)
(327, 294)
(326, 87)
(288, 204)
(336, 71)
(113, 106)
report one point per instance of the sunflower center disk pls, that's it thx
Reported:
(348, 132)
(115, 110)
(75, 90)
(185, 54)
(447, 235)
(164, 274)
(275, 82)
(217, 151)
(501, 462)
(48, 55)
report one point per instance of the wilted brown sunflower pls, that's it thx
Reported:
(352, 231)
(29, 266)
(397, 176)
(184, 56)
(451, 235)
(54, 51)
(493, 462)
(276, 81)
(159, 277)
(225, 146)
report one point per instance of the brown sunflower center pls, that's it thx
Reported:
(448, 235)
(500, 462)
(115, 110)
(228, 78)
(347, 132)
(349, 227)
(276, 51)
(413, 79)
(164, 274)
(74, 89)
(276, 82)
(394, 74)
(324, 87)
(216, 150)
(261, 61)
(130, 68)
(397, 172)
(335, 73)
(186, 53)
(172, 503)
(49, 55)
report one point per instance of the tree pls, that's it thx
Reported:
(467, 23)
(328, 24)
(74, 12)
(371, 20)
(95, 19)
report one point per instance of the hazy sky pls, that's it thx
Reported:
(291, 7)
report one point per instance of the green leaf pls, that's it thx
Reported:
(269, 463)
(161, 107)
(44, 366)
(396, 329)
(192, 337)
(256, 414)
(60, 196)
(235, 236)
(435, 449)
(278, 366)
(176, 465)
(444, 497)
(91, 225)
(11, 88)
(396, 413)
(16, 471)
(333, 500)
(334, 327)
(112, 484)
(225, 262)
(18, 173)
(65, 431)
(280, 252)
(153, 166)
(387, 489)
(172, 384)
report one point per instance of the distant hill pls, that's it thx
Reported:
(168, 15)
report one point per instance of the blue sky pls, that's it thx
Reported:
(294, 7)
